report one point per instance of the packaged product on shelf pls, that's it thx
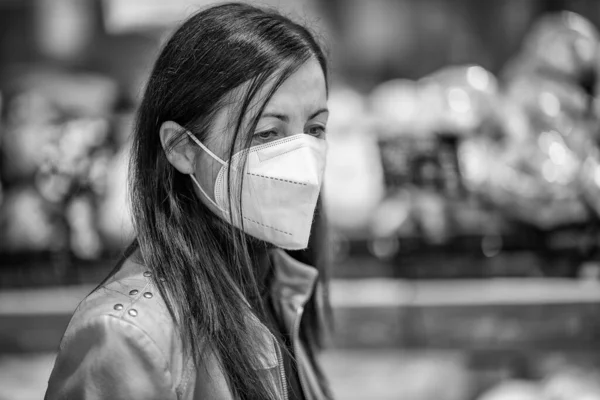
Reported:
(572, 383)
(31, 125)
(30, 223)
(513, 390)
(84, 238)
(353, 182)
(114, 215)
(400, 126)
(564, 44)
(589, 179)
(554, 101)
(459, 97)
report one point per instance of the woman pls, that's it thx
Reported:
(227, 163)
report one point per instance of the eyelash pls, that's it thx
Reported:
(273, 133)
(321, 128)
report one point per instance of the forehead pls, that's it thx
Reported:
(301, 94)
(304, 89)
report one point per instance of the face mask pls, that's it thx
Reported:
(281, 184)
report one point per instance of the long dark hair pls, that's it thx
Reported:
(210, 274)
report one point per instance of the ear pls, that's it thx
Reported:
(182, 155)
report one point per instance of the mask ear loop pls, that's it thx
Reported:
(210, 153)
(204, 193)
(213, 155)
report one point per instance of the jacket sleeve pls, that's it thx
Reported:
(110, 358)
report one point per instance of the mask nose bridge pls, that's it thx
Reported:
(273, 152)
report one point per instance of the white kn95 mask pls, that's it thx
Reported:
(281, 184)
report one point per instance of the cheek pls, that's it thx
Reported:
(206, 170)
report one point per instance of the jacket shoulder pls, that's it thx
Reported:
(132, 297)
(110, 358)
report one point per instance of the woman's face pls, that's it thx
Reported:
(298, 106)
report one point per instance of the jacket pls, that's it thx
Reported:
(122, 342)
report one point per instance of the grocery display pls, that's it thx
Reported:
(61, 158)
(467, 154)
(455, 160)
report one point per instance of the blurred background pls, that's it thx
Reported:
(463, 186)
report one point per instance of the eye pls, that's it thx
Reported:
(266, 136)
(316, 130)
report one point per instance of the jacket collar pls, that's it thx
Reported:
(294, 281)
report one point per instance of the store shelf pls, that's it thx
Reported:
(477, 315)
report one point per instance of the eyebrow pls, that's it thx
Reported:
(285, 118)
